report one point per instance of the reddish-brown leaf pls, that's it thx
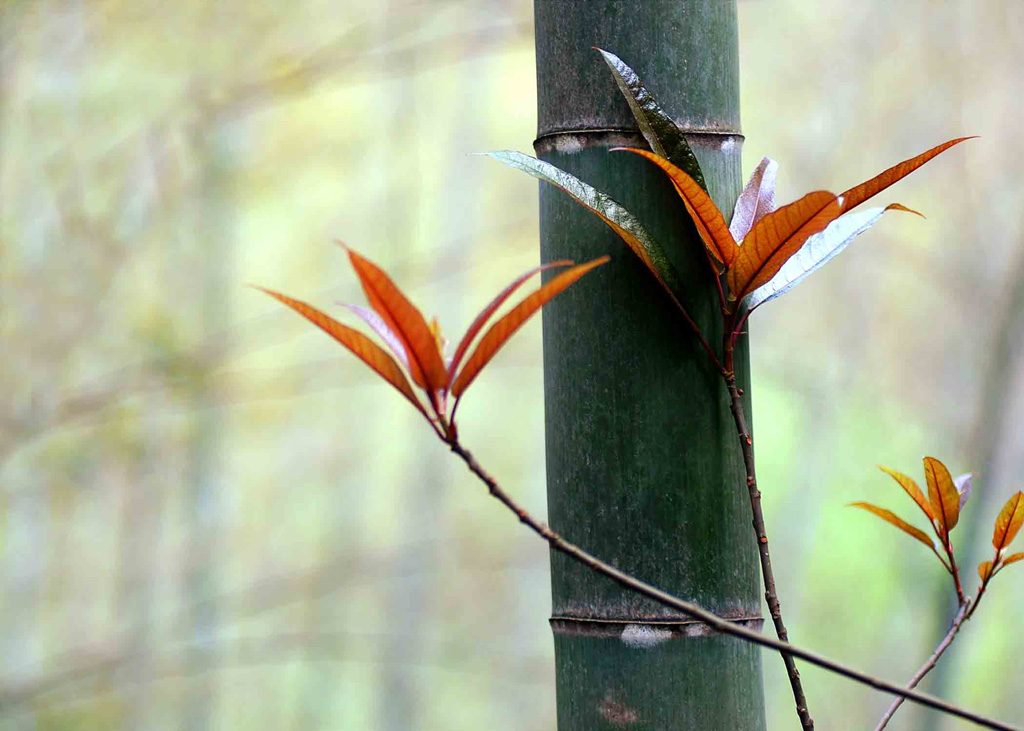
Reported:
(706, 217)
(1013, 558)
(891, 517)
(942, 494)
(911, 488)
(360, 345)
(1009, 521)
(984, 569)
(776, 237)
(780, 235)
(503, 329)
(485, 315)
(860, 193)
(402, 317)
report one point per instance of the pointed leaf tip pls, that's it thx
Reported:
(901, 207)
(500, 332)
(1008, 522)
(860, 193)
(912, 489)
(361, 346)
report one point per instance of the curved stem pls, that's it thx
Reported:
(692, 610)
(956, 573)
(770, 593)
(926, 668)
(697, 331)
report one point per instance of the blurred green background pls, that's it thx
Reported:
(212, 517)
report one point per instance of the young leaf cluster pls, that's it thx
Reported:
(419, 346)
(764, 251)
(945, 499)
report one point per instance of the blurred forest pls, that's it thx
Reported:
(211, 516)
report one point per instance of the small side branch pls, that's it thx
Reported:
(770, 593)
(696, 331)
(927, 667)
(692, 610)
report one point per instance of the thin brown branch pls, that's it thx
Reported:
(703, 341)
(927, 667)
(697, 331)
(692, 610)
(770, 593)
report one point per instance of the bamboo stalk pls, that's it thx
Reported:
(642, 460)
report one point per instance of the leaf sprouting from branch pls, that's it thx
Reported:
(912, 489)
(984, 570)
(942, 495)
(425, 362)
(891, 517)
(1013, 558)
(360, 345)
(1008, 522)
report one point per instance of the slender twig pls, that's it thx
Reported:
(995, 569)
(770, 593)
(953, 569)
(926, 668)
(692, 610)
(696, 331)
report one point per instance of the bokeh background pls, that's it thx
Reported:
(211, 517)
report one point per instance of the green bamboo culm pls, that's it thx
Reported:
(643, 467)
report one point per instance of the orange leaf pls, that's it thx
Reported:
(911, 488)
(402, 317)
(891, 517)
(705, 214)
(942, 494)
(363, 348)
(984, 569)
(1013, 558)
(504, 328)
(778, 236)
(1009, 521)
(860, 193)
(486, 313)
